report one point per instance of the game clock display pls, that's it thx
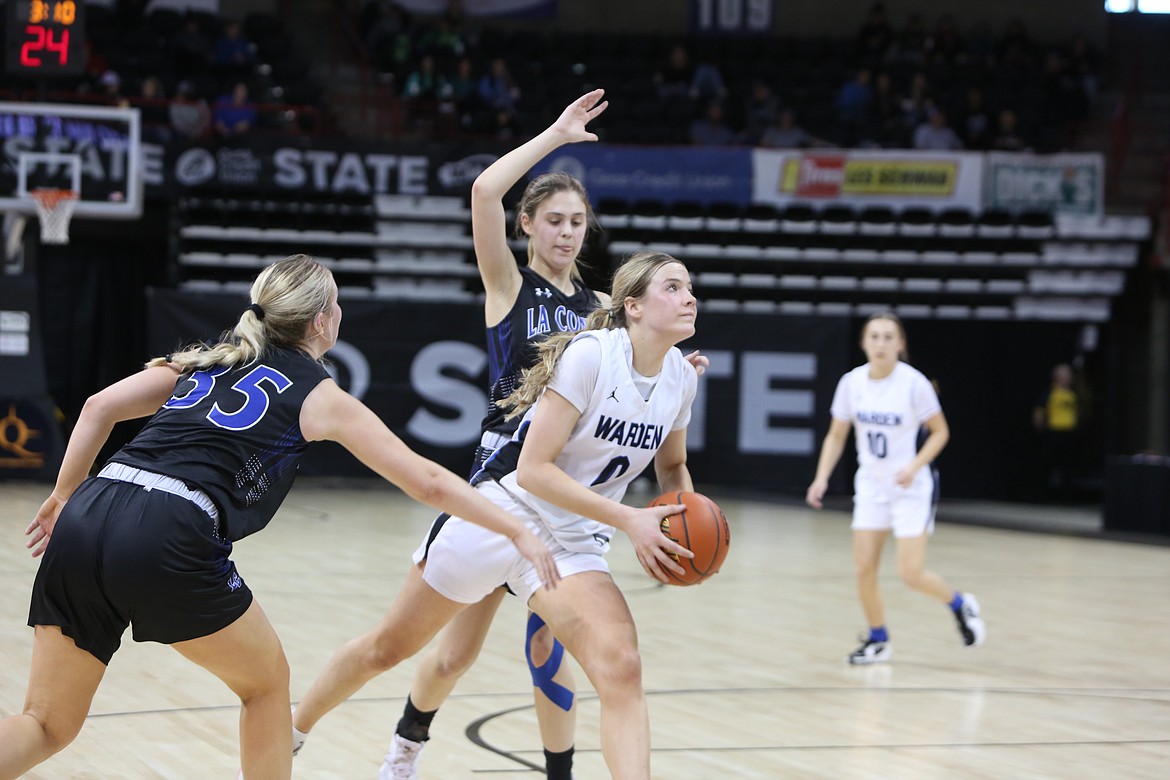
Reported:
(45, 37)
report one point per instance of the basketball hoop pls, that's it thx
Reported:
(54, 210)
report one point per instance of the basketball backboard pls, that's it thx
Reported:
(94, 150)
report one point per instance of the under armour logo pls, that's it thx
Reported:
(613, 395)
(542, 292)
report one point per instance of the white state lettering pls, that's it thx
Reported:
(289, 172)
(319, 160)
(350, 176)
(381, 165)
(327, 171)
(432, 377)
(412, 177)
(759, 402)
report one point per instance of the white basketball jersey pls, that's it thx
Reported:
(886, 414)
(618, 432)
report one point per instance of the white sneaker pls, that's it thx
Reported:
(298, 737)
(971, 625)
(401, 763)
(871, 652)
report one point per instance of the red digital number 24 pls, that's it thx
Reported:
(43, 39)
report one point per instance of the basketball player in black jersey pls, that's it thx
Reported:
(147, 541)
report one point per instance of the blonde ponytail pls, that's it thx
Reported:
(288, 295)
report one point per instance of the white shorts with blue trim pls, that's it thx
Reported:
(465, 562)
(880, 504)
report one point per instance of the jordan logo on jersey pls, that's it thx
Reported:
(613, 395)
(628, 434)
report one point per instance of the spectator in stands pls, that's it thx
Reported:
(1014, 48)
(1007, 137)
(110, 88)
(680, 78)
(711, 129)
(497, 89)
(1062, 94)
(916, 101)
(426, 82)
(911, 43)
(853, 105)
(506, 125)
(442, 42)
(234, 54)
(981, 46)
(875, 37)
(785, 133)
(760, 110)
(389, 37)
(464, 93)
(885, 127)
(708, 83)
(190, 49)
(945, 43)
(234, 113)
(190, 116)
(1085, 64)
(152, 103)
(1056, 416)
(95, 65)
(975, 125)
(935, 134)
(674, 78)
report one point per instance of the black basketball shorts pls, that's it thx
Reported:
(122, 555)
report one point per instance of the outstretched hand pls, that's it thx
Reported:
(41, 528)
(698, 361)
(655, 549)
(537, 553)
(579, 113)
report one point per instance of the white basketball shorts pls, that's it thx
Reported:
(465, 562)
(880, 504)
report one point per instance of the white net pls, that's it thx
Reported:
(54, 210)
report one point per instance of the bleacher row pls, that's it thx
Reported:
(796, 259)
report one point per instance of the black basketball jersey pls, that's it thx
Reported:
(540, 309)
(233, 433)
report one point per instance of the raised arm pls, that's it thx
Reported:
(330, 413)
(497, 264)
(135, 396)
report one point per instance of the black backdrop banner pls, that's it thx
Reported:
(762, 408)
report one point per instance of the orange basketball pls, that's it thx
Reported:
(702, 529)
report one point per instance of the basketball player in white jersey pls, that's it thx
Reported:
(598, 407)
(887, 402)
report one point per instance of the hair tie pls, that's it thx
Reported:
(256, 309)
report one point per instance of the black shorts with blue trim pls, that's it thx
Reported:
(122, 555)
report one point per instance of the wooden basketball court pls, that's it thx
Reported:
(746, 674)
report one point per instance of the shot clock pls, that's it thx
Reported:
(45, 37)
